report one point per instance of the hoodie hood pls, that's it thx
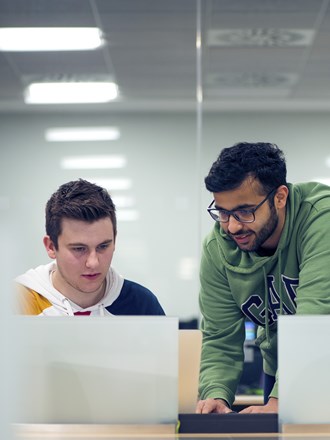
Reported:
(39, 280)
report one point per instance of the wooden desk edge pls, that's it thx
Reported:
(306, 428)
(35, 429)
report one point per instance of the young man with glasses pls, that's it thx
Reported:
(266, 255)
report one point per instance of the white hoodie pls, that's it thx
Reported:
(39, 280)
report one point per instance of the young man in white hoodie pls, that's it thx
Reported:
(81, 230)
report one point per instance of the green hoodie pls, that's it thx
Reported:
(237, 284)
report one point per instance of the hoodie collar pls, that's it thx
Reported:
(39, 280)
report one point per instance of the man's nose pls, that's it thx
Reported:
(92, 260)
(234, 225)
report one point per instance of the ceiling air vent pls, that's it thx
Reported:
(252, 80)
(259, 37)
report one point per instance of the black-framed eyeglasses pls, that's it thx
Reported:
(241, 215)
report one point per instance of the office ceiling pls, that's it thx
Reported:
(254, 55)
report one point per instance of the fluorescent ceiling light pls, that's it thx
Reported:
(187, 268)
(123, 201)
(74, 134)
(324, 180)
(49, 39)
(92, 162)
(127, 215)
(70, 92)
(111, 184)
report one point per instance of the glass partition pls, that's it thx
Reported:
(150, 51)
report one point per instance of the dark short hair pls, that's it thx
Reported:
(262, 161)
(79, 200)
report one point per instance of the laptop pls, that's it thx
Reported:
(303, 366)
(190, 344)
(120, 370)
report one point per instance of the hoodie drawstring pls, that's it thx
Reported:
(67, 306)
(101, 309)
(266, 305)
(267, 293)
(280, 282)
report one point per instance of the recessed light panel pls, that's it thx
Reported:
(81, 134)
(93, 162)
(123, 201)
(109, 184)
(324, 180)
(187, 268)
(49, 39)
(70, 92)
(127, 215)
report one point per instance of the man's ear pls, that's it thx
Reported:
(281, 196)
(50, 247)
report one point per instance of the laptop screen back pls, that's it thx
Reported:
(304, 361)
(119, 370)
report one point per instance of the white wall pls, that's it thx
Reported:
(167, 185)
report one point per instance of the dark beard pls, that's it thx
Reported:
(266, 231)
(263, 234)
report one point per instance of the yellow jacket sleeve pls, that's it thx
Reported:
(29, 302)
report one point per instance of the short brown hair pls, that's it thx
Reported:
(79, 200)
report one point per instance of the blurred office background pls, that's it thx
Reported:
(191, 77)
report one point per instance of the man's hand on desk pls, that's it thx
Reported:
(270, 407)
(212, 406)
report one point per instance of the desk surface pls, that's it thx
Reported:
(134, 432)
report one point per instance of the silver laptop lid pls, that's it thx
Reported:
(96, 370)
(304, 361)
